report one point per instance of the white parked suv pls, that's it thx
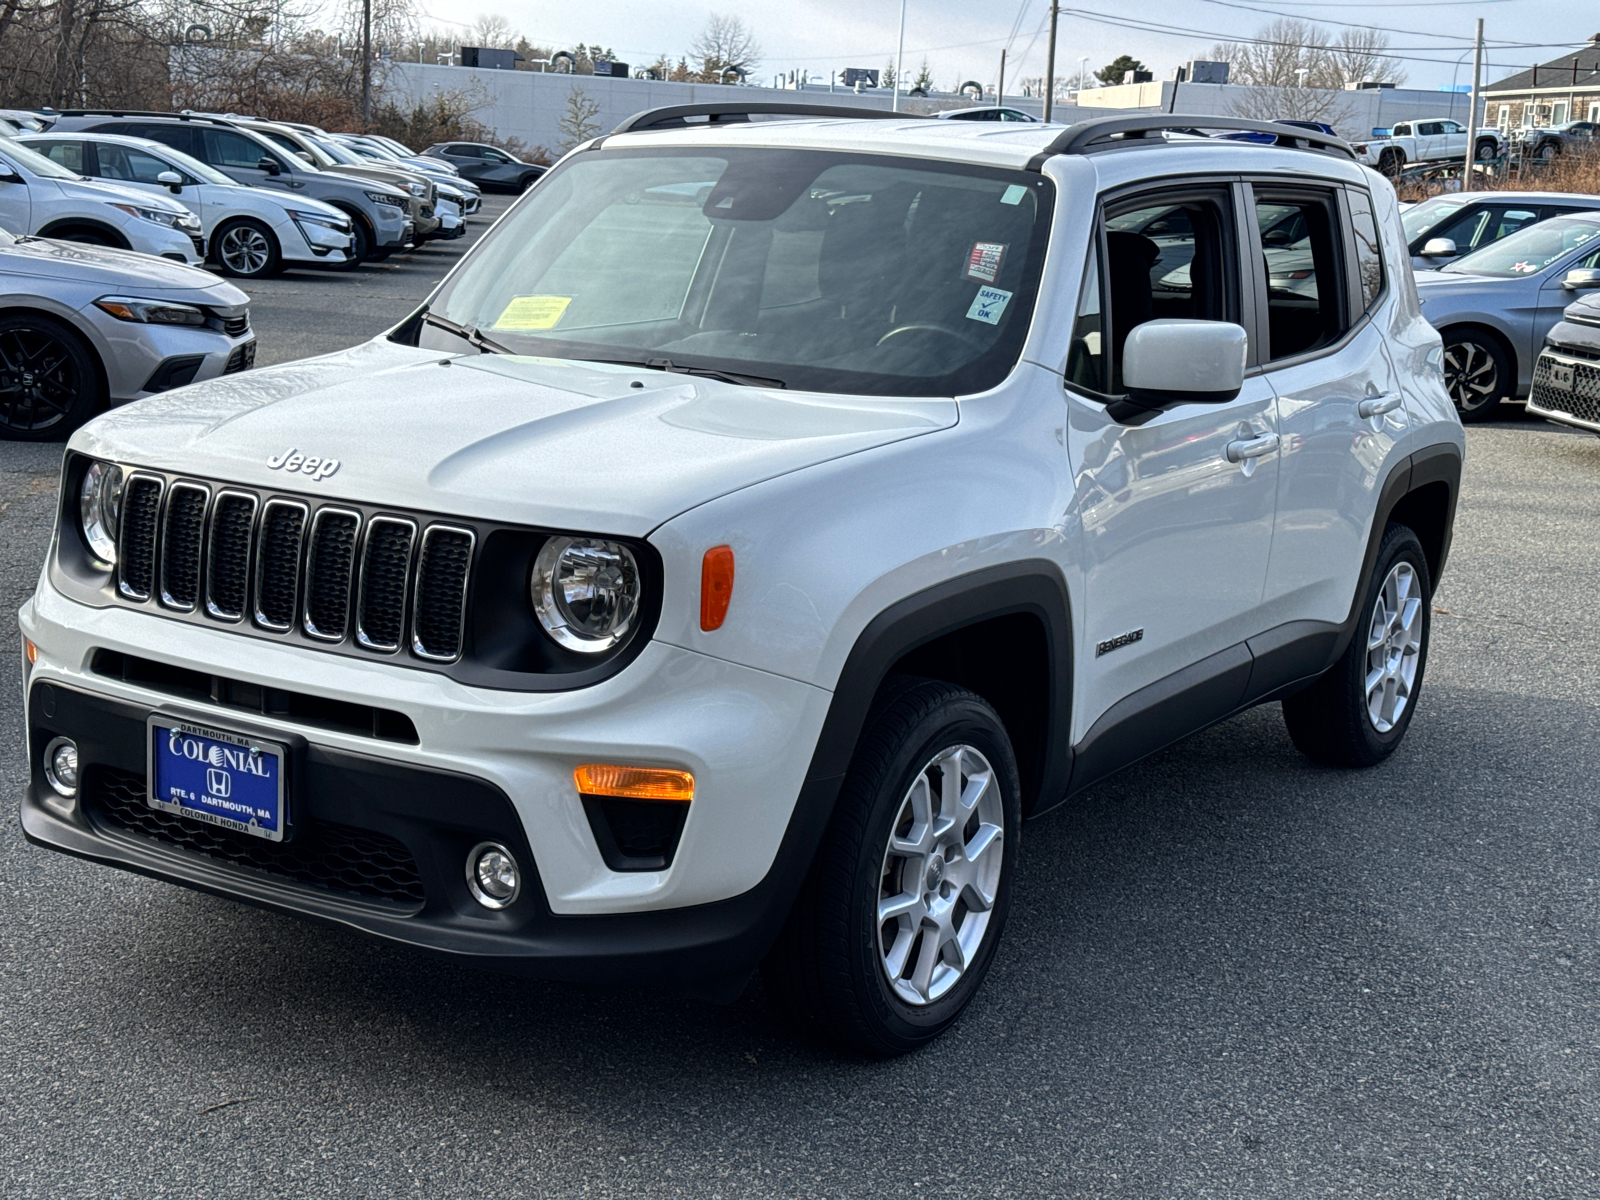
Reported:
(755, 528)
(41, 197)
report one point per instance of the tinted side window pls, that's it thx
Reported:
(1369, 250)
(224, 148)
(68, 154)
(1305, 302)
(179, 137)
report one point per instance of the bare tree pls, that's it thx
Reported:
(1290, 104)
(577, 121)
(1291, 53)
(493, 31)
(1357, 54)
(725, 45)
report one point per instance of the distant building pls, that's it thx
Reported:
(1563, 89)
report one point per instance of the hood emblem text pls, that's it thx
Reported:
(307, 464)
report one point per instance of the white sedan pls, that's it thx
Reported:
(251, 232)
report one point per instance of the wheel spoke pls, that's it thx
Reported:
(905, 905)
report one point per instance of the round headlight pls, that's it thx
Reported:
(585, 592)
(99, 505)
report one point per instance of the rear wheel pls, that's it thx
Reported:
(898, 922)
(1390, 162)
(1486, 151)
(1356, 713)
(1549, 151)
(1477, 373)
(49, 380)
(246, 249)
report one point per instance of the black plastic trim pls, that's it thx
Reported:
(677, 116)
(1108, 133)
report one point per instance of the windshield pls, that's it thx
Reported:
(336, 152)
(34, 162)
(825, 271)
(1420, 218)
(310, 151)
(1533, 249)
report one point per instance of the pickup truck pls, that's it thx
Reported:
(1432, 140)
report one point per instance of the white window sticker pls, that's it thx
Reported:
(988, 305)
(983, 261)
(1013, 194)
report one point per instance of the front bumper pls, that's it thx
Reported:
(180, 245)
(133, 353)
(1577, 406)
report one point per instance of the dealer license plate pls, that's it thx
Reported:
(1561, 376)
(212, 775)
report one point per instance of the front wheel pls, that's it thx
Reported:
(895, 929)
(1477, 373)
(247, 250)
(49, 379)
(360, 246)
(1356, 713)
(1548, 152)
(1390, 162)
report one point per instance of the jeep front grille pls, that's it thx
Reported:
(336, 575)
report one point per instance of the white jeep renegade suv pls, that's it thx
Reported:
(763, 521)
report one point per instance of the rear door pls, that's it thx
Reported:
(1327, 363)
(1176, 509)
(16, 210)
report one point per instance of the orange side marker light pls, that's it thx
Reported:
(716, 587)
(634, 783)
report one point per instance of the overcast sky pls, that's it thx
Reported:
(962, 39)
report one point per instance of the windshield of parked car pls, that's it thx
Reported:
(307, 152)
(825, 271)
(336, 152)
(34, 162)
(1420, 218)
(1533, 249)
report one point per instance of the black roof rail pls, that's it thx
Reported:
(1105, 133)
(134, 112)
(678, 116)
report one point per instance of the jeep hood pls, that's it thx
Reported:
(522, 440)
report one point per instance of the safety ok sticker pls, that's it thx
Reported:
(989, 305)
(533, 312)
(983, 262)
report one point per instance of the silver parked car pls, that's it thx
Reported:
(1494, 307)
(1446, 227)
(1566, 376)
(84, 327)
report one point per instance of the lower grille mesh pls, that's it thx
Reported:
(338, 858)
(1581, 400)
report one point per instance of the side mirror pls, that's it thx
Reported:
(1177, 361)
(7, 175)
(1579, 279)
(270, 166)
(1275, 237)
(172, 179)
(1438, 248)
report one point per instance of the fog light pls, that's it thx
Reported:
(492, 875)
(61, 773)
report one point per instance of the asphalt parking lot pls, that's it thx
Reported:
(1229, 973)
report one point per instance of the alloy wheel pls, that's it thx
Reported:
(39, 381)
(941, 874)
(244, 250)
(1470, 375)
(1394, 647)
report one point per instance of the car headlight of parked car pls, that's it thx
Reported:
(418, 190)
(341, 224)
(387, 200)
(150, 312)
(99, 506)
(160, 216)
(586, 592)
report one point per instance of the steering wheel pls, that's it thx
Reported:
(927, 327)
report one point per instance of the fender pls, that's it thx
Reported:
(87, 224)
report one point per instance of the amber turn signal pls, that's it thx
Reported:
(716, 586)
(634, 783)
(32, 651)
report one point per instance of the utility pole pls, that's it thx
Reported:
(366, 63)
(1000, 88)
(1050, 62)
(900, 57)
(1472, 112)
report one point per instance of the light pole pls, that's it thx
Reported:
(1050, 63)
(1472, 112)
(900, 56)
(366, 63)
(1083, 71)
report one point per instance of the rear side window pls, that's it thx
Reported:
(1369, 250)
(129, 164)
(224, 148)
(1300, 257)
(68, 154)
(179, 137)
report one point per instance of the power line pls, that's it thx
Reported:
(1498, 45)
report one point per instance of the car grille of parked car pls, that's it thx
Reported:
(386, 582)
(1581, 401)
(199, 244)
(338, 858)
(242, 359)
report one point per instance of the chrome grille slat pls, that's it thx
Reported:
(183, 535)
(136, 536)
(283, 527)
(385, 573)
(444, 568)
(233, 520)
(330, 567)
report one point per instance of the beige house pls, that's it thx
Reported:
(1564, 89)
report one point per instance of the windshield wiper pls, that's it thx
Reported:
(467, 334)
(666, 364)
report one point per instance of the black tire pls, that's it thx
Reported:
(1331, 721)
(246, 249)
(49, 379)
(1548, 151)
(1477, 372)
(1486, 151)
(86, 237)
(360, 244)
(828, 970)
(1390, 162)
(526, 182)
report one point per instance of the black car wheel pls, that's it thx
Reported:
(49, 380)
(360, 245)
(1477, 373)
